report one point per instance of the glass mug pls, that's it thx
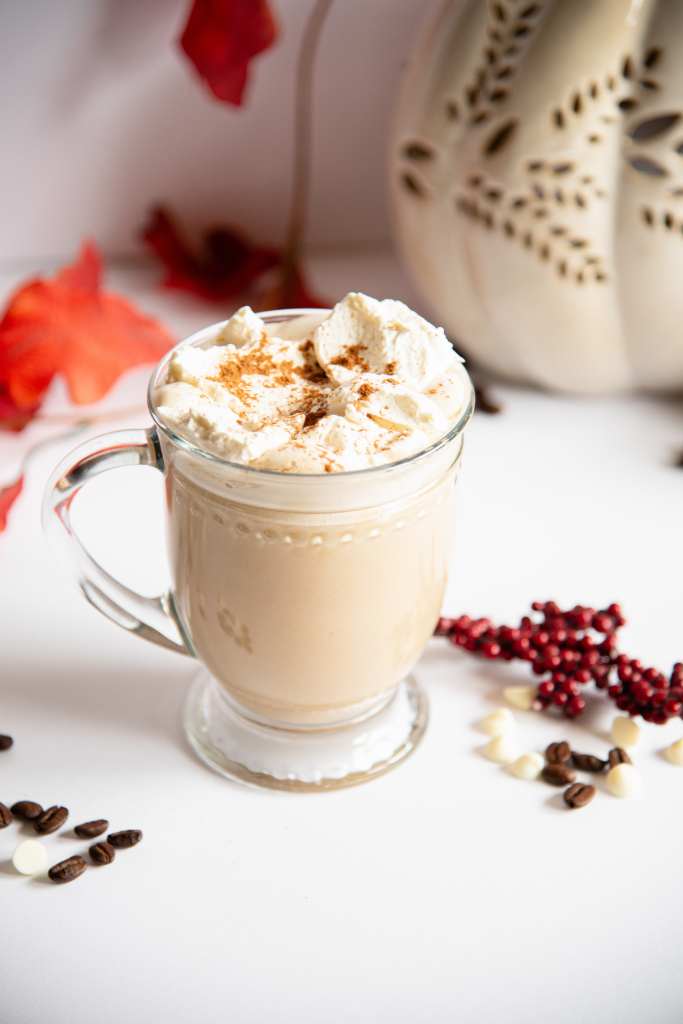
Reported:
(306, 598)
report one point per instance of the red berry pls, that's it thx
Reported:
(581, 617)
(575, 706)
(602, 622)
(491, 649)
(641, 691)
(560, 646)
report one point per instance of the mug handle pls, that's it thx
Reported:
(152, 618)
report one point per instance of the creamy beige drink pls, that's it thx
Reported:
(309, 545)
(303, 617)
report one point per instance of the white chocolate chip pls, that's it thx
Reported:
(623, 780)
(674, 753)
(625, 732)
(501, 749)
(521, 697)
(30, 857)
(498, 722)
(528, 766)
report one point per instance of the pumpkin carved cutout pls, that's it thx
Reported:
(537, 184)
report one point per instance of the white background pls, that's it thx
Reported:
(102, 116)
(445, 891)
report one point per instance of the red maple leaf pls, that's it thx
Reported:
(225, 269)
(67, 325)
(8, 495)
(221, 37)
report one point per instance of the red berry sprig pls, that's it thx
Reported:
(571, 649)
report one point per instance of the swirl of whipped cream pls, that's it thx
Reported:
(369, 384)
(384, 337)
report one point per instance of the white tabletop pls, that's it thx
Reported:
(444, 891)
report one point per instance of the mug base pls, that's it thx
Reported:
(302, 761)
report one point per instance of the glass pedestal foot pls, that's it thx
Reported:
(303, 760)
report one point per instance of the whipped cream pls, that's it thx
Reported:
(368, 384)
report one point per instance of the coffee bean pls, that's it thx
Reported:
(50, 820)
(558, 753)
(102, 853)
(67, 869)
(6, 742)
(588, 762)
(90, 829)
(27, 810)
(6, 816)
(578, 795)
(617, 755)
(123, 840)
(558, 774)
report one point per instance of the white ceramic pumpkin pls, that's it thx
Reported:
(537, 183)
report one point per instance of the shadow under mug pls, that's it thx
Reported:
(306, 598)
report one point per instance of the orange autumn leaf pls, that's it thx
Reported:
(11, 416)
(67, 326)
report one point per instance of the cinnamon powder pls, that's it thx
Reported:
(351, 358)
(260, 363)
